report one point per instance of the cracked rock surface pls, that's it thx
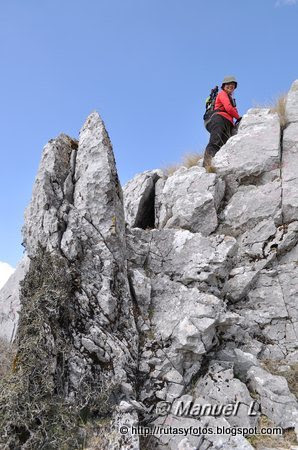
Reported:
(181, 291)
(189, 199)
(76, 306)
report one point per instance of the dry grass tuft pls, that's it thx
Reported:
(276, 105)
(280, 107)
(188, 160)
(191, 159)
(169, 170)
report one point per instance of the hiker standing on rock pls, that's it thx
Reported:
(219, 118)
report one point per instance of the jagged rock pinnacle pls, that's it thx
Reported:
(76, 286)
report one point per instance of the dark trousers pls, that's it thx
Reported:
(220, 129)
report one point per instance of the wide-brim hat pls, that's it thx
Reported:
(229, 79)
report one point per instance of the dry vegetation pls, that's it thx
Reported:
(188, 160)
(211, 169)
(282, 368)
(7, 354)
(288, 439)
(277, 105)
(259, 442)
(97, 434)
(35, 410)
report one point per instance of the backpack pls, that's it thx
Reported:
(210, 103)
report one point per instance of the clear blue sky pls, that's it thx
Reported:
(145, 65)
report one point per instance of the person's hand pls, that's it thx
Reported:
(238, 121)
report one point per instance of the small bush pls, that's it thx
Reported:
(188, 160)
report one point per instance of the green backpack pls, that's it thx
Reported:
(210, 103)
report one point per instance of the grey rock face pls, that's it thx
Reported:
(193, 309)
(241, 280)
(204, 440)
(242, 361)
(261, 325)
(182, 320)
(251, 205)
(52, 192)
(189, 199)
(273, 297)
(292, 103)
(254, 242)
(252, 157)
(187, 257)
(276, 400)
(289, 173)
(219, 386)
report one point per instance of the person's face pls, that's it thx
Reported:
(229, 88)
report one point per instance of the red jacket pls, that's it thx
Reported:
(223, 103)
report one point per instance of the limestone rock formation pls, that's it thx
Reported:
(77, 334)
(189, 199)
(185, 298)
